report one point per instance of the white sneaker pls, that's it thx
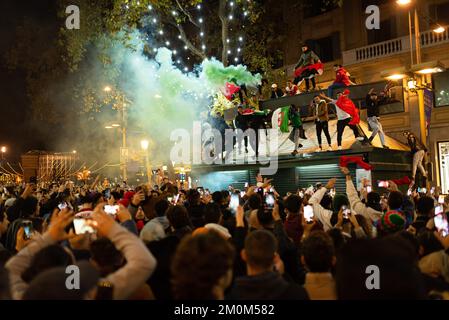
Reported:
(330, 148)
(340, 148)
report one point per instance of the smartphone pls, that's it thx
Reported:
(235, 202)
(346, 212)
(107, 193)
(177, 198)
(441, 224)
(62, 205)
(383, 184)
(81, 226)
(269, 200)
(369, 189)
(112, 210)
(27, 229)
(242, 193)
(422, 190)
(246, 184)
(441, 198)
(308, 213)
(409, 192)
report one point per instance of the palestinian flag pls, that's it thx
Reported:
(280, 119)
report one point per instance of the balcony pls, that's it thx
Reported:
(392, 47)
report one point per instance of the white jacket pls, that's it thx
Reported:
(322, 215)
(358, 206)
(140, 263)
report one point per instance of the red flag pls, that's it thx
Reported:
(230, 89)
(346, 104)
(345, 160)
(319, 67)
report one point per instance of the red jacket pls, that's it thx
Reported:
(342, 77)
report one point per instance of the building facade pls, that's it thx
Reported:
(339, 36)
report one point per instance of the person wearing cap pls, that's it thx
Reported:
(308, 58)
(372, 107)
(276, 92)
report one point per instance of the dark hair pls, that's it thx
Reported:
(373, 201)
(178, 217)
(260, 248)
(395, 200)
(337, 238)
(255, 201)
(326, 202)
(264, 217)
(106, 255)
(161, 207)
(217, 197)
(318, 251)
(212, 213)
(48, 257)
(29, 206)
(193, 197)
(394, 257)
(198, 264)
(293, 204)
(425, 205)
(428, 241)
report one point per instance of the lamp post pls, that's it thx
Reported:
(144, 145)
(123, 127)
(420, 73)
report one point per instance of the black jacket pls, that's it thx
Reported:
(277, 94)
(267, 286)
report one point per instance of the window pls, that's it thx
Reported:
(441, 89)
(443, 157)
(328, 48)
(440, 13)
(386, 32)
(314, 8)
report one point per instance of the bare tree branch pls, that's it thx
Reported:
(187, 14)
(186, 41)
(224, 31)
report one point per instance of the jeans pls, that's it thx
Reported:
(341, 125)
(322, 126)
(375, 124)
(418, 158)
(332, 87)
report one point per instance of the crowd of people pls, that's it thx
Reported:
(164, 243)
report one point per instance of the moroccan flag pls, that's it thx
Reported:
(280, 119)
(346, 104)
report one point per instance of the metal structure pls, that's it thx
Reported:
(49, 166)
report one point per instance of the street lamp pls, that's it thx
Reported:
(107, 89)
(144, 145)
(3, 150)
(74, 151)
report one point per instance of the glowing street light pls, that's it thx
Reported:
(144, 144)
(3, 149)
(403, 2)
(107, 89)
(439, 29)
(115, 125)
(74, 151)
(108, 127)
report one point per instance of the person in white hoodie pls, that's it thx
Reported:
(140, 262)
(372, 209)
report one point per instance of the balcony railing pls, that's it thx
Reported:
(393, 47)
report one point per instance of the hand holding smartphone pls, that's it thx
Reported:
(308, 213)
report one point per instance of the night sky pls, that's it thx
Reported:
(17, 131)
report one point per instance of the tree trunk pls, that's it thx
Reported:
(224, 31)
